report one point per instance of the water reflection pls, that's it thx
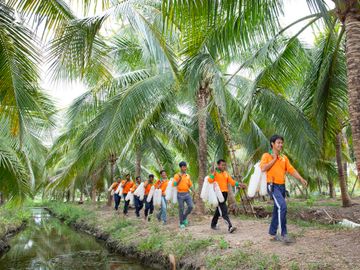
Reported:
(46, 243)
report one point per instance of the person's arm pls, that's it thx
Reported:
(299, 177)
(146, 183)
(211, 178)
(291, 170)
(234, 183)
(176, 180)
(266, 164)
(111, 187)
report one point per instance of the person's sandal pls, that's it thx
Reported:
(276, 238)
(232, 229)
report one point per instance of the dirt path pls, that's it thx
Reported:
(315, 248)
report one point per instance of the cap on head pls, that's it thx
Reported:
(182, 164)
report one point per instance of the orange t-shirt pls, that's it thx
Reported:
(133, 187)
(148, 187)
(223, 179)
(185, 183)
(276, 174)
(115, 186)
(162, 185)
(127, 186)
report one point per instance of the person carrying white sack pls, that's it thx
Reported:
(162, 184)
(137, 200)
(223, 179)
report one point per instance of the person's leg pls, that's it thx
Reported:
(215, 218)
(117, 201)
(283, 210)
(151, 206)
(147, 207)
(280, 216)
(181, 208)
(137, 205)
(163, 209)
(275, 215)
(189, 205)
(224, 211)
(126, 205)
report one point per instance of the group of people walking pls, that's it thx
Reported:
(274, 163)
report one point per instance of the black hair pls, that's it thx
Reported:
(162, 171)
(137, 177)
(220, 160)
(274, 138)
(118, 177)
(151, 175)
(128, 174)
(182, 163)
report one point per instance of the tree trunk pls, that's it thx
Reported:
(112, 172)
(346, 201)
(93, 190)
(138, 156)
(1, 198)
(332, 193)
(319, 184)
(352, 27)
(202, 102)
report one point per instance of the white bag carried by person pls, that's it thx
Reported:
(218, 193)
(212, 199)
(257, 182)
(140, 191)
(151, 194)
(130, 197)
(174, 199)
(157, 197)
(205, 189)
(119, 189)
(263, 185)
(169, 190)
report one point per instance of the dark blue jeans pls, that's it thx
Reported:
(138, 205)
(126, 204)
(184, 197)
(149, 207)
(279, 211)
(117, 199)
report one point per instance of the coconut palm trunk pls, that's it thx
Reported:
(346, 201)
(202, 102)
(349, 13)
(331, 188)
(138, 156)
(112, 172)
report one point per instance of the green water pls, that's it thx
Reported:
(46, 243)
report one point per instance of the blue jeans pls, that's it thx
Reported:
(117, 199)
(162, 213)
(138, 205)
(184, 197)
(149, 206)
(279, 211)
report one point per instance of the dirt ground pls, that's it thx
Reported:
(315, 247)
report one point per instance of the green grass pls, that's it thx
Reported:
(183, 245)
(239, 259)
(11, 217)
(70, 212)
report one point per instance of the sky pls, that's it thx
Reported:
(65, 92)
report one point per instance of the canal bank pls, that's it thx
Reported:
(48, 243)
(12, 221)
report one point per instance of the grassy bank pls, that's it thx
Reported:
(153, 243)
(12, 220)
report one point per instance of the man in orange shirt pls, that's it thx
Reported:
(276, 165)
(138, 203)
(149, 206)
(127, 185)
(162, 184)
(183, 183)
(223, 179)
(113, 188)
